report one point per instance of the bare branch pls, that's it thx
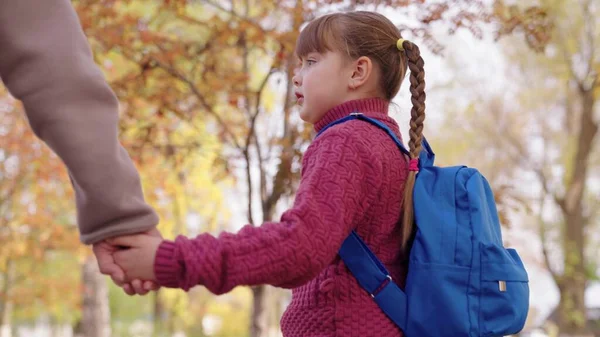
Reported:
(543, 238)
(287, 153)
(263, 175)
(539, 172)
(589, 23)
(192, 20)
(252, 133)
(254, 116)
(542, 205)
(246, 154)
(523, 157)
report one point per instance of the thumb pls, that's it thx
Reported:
(106, 263)
(116, 273)
(126, 240)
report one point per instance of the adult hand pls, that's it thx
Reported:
(105, 251)
(137, 260)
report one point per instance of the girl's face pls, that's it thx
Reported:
(321, 82)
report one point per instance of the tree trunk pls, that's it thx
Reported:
(158, 316)
(6, 304)
(258, 326)
(572, 284)
(259, 321)
(572, 310)
(95, 320)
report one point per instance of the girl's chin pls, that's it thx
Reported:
(304, 115)
(308, 118)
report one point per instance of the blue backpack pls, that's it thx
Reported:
(461, 280)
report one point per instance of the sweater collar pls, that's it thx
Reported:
(376, 107)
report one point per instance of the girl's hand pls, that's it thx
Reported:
(137, 259)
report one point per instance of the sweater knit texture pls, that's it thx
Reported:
(353, 178)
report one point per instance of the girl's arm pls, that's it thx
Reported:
(339, 182)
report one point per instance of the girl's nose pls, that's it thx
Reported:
(296, 80)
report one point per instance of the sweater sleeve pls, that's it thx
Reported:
(46, 62)
(338, 183)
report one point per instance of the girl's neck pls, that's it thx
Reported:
(365, 105)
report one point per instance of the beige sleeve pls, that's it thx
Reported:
(46, 62)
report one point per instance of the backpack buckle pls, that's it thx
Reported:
(388, 280)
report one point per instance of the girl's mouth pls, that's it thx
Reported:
(300, 98)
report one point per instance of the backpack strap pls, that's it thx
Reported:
(381, 125)
(374, 278)
(368, 270)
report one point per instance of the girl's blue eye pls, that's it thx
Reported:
(310, 62)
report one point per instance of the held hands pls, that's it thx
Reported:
(129, 260)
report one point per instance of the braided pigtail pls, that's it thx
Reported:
(417, 116)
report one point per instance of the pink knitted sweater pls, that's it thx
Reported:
(352, 178)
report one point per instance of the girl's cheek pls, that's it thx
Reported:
(306, 78)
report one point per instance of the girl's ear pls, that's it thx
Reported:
(360, 72)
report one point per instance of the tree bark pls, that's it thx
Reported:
(95, 320)
(5, 302)
(573, 282)
(158, 313)
(258, 326)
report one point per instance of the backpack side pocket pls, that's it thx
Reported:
(504, 292)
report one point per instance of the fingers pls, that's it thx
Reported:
(114, 262)
(117, 274)
(151, 286)
(125, 261)
(137, 287)
(120, 281)
(106, 262)
(107, 265)
(128, 289)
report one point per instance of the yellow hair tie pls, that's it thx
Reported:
(399, 44)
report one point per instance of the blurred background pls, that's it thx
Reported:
(207, 114)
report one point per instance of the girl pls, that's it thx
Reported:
(354, 178)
